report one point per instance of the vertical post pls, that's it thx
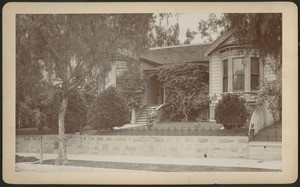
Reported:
(251, 135)
(41, 151)
(133, 116)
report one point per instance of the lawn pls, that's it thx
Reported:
(270, 133)
(178, 129)
(156, 167)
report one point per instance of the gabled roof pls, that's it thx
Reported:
(217, 42)
(176, 54)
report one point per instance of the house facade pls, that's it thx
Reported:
(233, 69)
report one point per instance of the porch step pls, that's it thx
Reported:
(142, 119)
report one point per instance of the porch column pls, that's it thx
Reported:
(133, 116)
(164, 90)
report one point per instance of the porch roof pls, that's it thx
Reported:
(177, 54)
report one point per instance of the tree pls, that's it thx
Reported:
(263, 31)
(164, 34)
(77, 50)
(190, 35)
(186, 89)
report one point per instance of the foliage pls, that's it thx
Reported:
(76, 114)
(164, 34)
(263, 31)
(108, 110)
(270, 93)
(190, 35)
(186, 88)
(231, 111)
(77, 50)
(151, 118)
(132, 85)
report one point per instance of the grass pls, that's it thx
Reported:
(270, 133)
(156, 167)
(179, 129)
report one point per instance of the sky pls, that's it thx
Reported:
(191, 21)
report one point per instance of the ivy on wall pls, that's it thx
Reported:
(186, 87)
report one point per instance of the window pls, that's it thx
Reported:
(225, 75)
(120, 67)
(254, 73)
(238, 74)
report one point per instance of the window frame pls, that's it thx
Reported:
(254, 73)
(225, 76)
(239, 74)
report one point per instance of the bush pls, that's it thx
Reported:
(270, 93)
(108, 110)
(231, 111)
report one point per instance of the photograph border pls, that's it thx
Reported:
(289, 171)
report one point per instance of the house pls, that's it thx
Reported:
(233, 69)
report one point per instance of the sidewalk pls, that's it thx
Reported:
(244, 163)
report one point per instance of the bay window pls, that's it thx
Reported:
(241, 74)
(238, 74)
(225, 75)
(254, 68)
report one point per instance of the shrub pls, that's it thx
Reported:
(108, 110)
(231, 111)
(271, 93)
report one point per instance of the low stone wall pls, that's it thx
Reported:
(265, 150)
(173, 146)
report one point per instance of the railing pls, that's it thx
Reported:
(272, 136)
(249, 96)
(142, 131)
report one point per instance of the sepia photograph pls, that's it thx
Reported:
(149, 92)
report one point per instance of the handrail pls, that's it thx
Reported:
(159, 107)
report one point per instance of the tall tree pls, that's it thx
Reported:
(78, 49)
(163, 32)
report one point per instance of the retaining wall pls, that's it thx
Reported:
(175, 146)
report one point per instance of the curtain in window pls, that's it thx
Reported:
(225, 75)
(238, 74)
(254, 74)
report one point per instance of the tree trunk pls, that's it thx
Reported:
(41, 153)
(62, 149)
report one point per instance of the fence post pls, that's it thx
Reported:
(251, 134)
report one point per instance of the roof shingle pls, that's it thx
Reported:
(177, 54)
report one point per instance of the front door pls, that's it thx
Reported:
(153, 91)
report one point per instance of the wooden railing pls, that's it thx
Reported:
(249, 96)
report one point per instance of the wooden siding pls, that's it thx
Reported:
(216, 74)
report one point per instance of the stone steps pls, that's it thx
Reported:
(142, 119)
